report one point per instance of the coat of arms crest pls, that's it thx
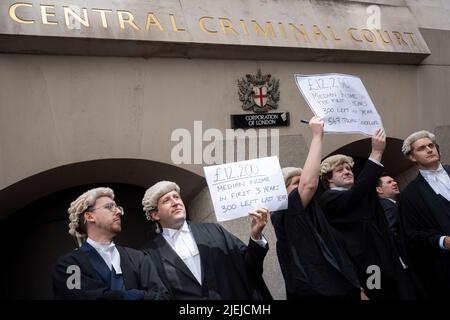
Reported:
(259, 92)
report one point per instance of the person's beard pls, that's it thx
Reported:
(116, 228)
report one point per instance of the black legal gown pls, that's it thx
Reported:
(426, 217)
(314, 262)
(230, 269)
(358, 216)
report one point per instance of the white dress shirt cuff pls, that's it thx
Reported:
(376, 161)
(441, 242)
(262, 242)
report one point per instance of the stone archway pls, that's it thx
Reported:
(138, 172)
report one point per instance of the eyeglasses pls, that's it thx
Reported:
(111, 206)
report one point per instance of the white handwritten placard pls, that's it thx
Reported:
(240, 187)
(342, 101)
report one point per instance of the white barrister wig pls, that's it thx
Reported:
(406, 148)
(290, 172)
(332, 162)
(79, 206)
(152, 195)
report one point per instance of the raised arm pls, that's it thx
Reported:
(378, 145)
(309, 179)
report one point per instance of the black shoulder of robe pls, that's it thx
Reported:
(231, 270)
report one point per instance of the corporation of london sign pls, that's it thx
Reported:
(259, 93)
(284, 24)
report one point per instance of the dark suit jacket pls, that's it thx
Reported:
(392, 215)
(139, 276)
(426, 217)
(230, 269)
(396, 227)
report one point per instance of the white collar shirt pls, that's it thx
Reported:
(109, 253)
(438, 180)
(183, 243)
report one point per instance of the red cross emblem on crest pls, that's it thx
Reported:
(259, 92)
(260, 96)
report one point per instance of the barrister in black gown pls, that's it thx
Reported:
(354, 210)
(99, 269)
(425, 209)
(203, 261)
(230, 269)
(313, 261)
(315, 265)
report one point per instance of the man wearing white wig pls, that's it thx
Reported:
(203, 261)
(314, 262)
(425, 209)
(354, 210)
(99, 269)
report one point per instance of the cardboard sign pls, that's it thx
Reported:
(240, 187)
(342, 101)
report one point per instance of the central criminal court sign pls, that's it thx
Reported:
(338, 25)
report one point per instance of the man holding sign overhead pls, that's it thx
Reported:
(314, 262)
(353, 209)
(204, 261)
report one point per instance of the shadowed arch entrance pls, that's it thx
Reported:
(136, 172)
(394, 162)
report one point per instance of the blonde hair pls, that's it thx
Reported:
(332, 162)
(79, 206)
